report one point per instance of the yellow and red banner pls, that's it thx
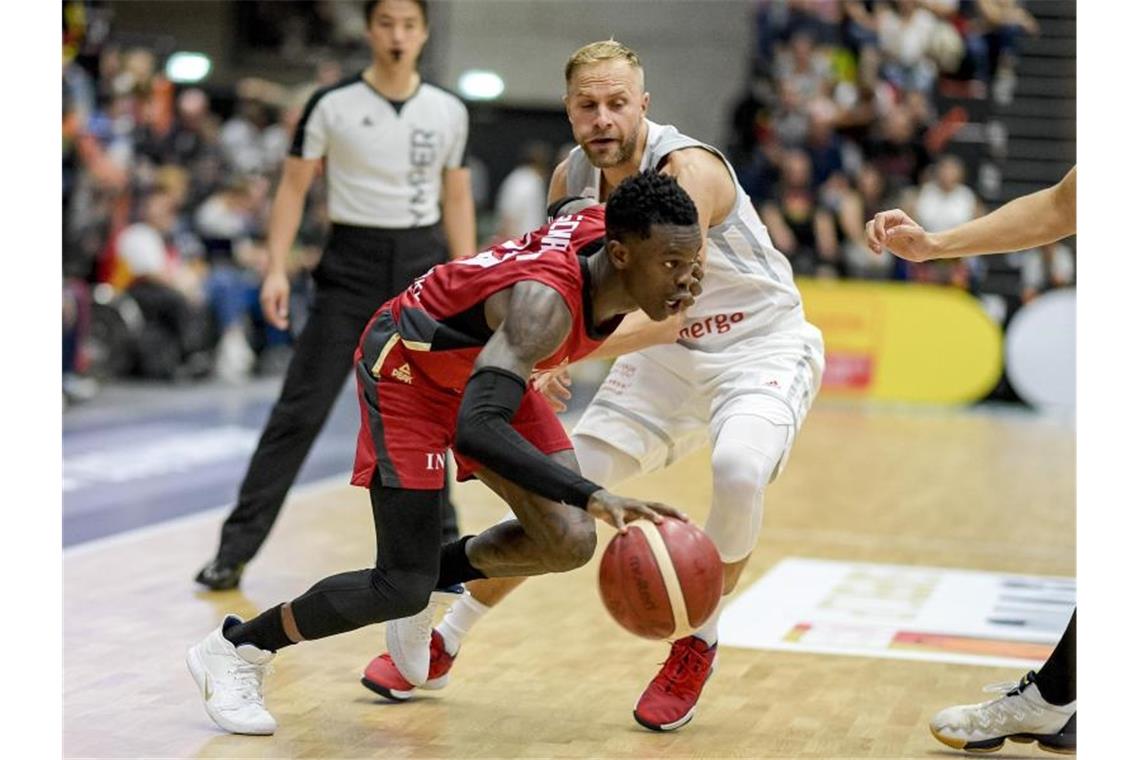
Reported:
(904, 341)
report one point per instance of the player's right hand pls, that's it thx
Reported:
(554, 385)
(275, 299)
(893, 230)
(896, 232)
(616, 510)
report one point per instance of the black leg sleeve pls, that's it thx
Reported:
(407, 566)
(1057, 679)
(321, 362)
(449, 521)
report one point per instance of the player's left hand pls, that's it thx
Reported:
(554, 385)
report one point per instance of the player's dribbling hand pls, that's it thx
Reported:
(617, 510)
(554, 385)
(275, 299)
(896, 232)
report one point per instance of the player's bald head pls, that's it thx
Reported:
(604, 51)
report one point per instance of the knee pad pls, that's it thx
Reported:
(746, 457)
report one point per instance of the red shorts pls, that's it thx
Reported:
(407, 423)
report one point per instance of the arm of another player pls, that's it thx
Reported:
(284, 219)
(458, 212)
(1027, 222)
(636, 332)
(533, 322)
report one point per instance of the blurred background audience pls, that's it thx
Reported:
(850, 107)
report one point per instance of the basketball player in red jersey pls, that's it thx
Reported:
(445, 364)
(738, 370)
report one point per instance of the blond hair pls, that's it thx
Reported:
(598, 52)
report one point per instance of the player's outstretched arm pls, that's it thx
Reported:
(533, 321)
(1032, 220)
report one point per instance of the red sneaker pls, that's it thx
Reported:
(383, 677)
(670, 700)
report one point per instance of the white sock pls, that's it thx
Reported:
(707, 632)
(458, 621)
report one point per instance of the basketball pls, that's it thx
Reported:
(661, 581)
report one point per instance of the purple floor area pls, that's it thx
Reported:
(142, 453)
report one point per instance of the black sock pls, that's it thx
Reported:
(266, 631)
(1057, 679)
(454, 567)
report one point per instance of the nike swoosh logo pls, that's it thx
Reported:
(206, 688)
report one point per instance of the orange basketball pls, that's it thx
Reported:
(661, 581)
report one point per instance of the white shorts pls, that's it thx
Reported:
(660, 404)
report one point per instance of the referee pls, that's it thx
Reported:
(393, 149)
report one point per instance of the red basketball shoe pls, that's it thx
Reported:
(670, 700)
(383, 677)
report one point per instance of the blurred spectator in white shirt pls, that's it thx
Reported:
(904, 36)
(1046, 268)
(946, 201)
(521, 203)
(804, 67)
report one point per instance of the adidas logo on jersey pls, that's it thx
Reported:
(403, 373)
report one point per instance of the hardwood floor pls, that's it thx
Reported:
(548, 674)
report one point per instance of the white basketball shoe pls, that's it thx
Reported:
(409, 639)
(229, 679)
(1021, 715)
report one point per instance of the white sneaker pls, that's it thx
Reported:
(229, 680)
(1021, 715)
(409, 639)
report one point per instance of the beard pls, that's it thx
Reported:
(625, 151)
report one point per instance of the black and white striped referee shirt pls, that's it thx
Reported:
(385, 160)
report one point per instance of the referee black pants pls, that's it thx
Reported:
(362, 267)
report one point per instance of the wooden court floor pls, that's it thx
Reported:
(548, 674)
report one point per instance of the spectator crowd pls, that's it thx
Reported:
(850, 111)
(166, 189)
(166, 196)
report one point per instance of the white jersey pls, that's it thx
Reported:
(385, 159)
(747, 290)
(745, 352)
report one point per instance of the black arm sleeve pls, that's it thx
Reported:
(484, 432)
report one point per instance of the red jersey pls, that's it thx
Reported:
(440, 317)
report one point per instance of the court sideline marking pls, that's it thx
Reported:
(210, 513)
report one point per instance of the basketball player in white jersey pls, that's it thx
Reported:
(740, 369)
